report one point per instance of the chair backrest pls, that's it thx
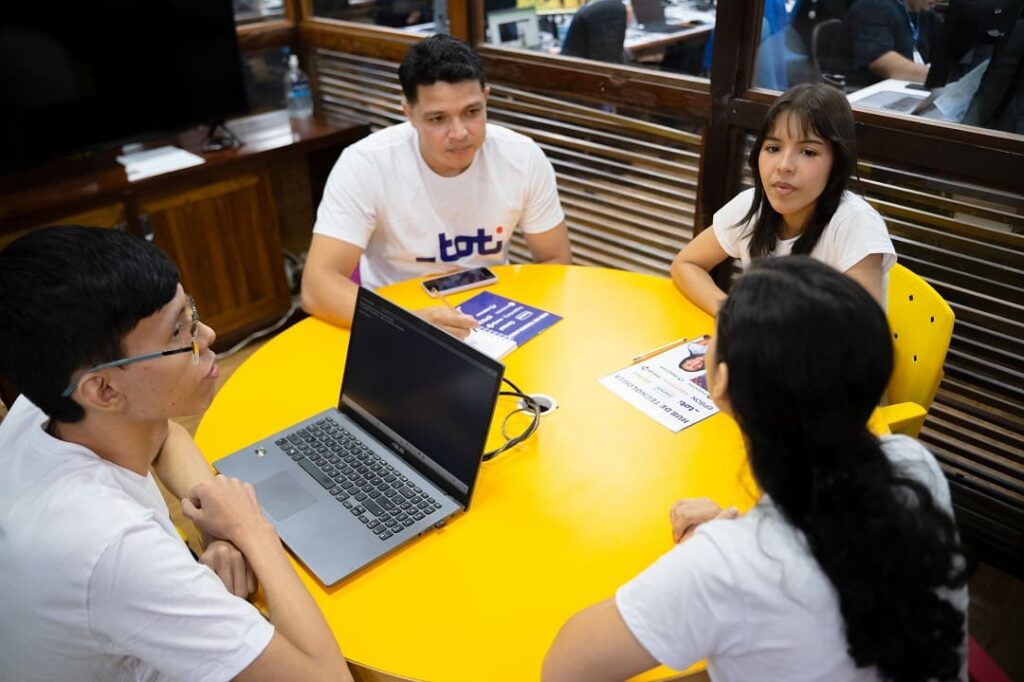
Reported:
(921, 323)
(825, 45)
(597, 31)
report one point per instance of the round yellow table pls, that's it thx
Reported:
(556, 524)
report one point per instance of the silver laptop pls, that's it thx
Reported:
(398, 456)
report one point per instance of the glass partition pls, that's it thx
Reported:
(413, 15)
(251, 11)
(958, 61)
(654, 34)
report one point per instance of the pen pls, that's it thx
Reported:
(659, 349)
(438, 294)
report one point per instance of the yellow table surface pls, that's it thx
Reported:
(556, 524)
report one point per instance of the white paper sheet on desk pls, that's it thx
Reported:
(150, 162)
(662, 389)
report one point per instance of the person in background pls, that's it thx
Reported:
(106, 348)
(889, 39)
(801, 162)
(848, 567)
(444, 190)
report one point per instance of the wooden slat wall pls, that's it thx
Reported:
(628, 186)
(968, 242)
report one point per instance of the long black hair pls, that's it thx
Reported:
(808, 354)
(824, 110)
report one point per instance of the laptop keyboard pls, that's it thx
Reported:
(375, 492)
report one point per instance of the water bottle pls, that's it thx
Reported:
(297, 90)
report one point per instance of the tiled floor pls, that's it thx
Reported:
(995, 619)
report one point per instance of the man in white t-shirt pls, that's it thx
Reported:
(443, 191)
(107, 348)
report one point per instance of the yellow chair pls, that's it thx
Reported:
(922, 326)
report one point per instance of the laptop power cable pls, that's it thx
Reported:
(526, 405)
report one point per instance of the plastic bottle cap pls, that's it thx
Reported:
(293, 61)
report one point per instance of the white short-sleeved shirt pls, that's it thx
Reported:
(748, 596)
(855, 232)
(382, 197)
(97, 584)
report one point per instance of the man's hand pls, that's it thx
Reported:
(225, 508)
(452, 321)
(686, 515)
(230, 566)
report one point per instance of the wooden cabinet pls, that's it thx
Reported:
(224, 238)
(219, 221)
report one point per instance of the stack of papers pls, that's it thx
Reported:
(150, 162)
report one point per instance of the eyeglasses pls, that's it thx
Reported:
(191, 348)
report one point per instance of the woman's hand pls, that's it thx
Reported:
(686, 515)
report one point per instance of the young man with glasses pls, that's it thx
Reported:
(107, 348)
(443, 191)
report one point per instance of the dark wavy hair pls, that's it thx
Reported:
(68, 297)
(438, 58)
(809, 354)
(824, 110)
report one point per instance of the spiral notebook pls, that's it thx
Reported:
(504, 324)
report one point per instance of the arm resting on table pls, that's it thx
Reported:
(691, 271)
(596, 645)
(550, 246)
(328, 291)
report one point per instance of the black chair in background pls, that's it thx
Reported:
(825, 52)
(597, 31)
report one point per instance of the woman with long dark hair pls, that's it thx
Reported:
(801, 163)
(848, 567)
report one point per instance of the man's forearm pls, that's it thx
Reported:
(894, 65)
(330, 297)
(290, 607)
(180, 465)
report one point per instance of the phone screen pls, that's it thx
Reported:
(459, 279)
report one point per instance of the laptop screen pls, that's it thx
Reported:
(420, 391)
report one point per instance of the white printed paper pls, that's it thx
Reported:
(670, 387)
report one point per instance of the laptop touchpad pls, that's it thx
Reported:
(282, 496)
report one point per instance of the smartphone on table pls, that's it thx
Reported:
(459, 281)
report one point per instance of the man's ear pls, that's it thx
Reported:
(720, 388)
(487, 92)
(96, 393)
(406, 109)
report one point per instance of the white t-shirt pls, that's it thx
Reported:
(748, 596)
(855, 232)
(96, 582)
(382, 197)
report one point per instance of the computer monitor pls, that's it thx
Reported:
(514, 27)
(969, 24)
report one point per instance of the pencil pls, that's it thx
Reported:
(660, 349)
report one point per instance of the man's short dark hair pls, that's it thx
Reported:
(438, 58)
(68, 297)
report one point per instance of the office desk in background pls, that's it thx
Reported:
(555, 525)
(693, 24)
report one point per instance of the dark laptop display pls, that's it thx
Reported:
(398, 456)
(419, 391)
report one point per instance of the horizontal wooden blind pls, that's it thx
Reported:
(968, 242)
(628, 186)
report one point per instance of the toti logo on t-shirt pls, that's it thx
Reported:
(451, 249)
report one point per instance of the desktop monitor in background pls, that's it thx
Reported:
(969, 30)
(514, 27)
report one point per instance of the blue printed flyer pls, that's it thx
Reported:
(504, 324)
